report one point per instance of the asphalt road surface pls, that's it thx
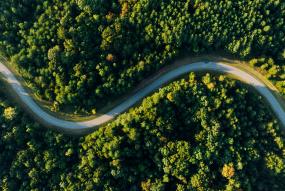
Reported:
(27, 100)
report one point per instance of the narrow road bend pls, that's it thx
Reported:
(27, 100)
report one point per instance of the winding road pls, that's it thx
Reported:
(26, 99)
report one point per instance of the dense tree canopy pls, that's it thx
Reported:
(76, 52)
(199, 133)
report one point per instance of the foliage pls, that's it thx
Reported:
(186, 136)
(79, 51)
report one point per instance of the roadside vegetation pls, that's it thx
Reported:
(78, 52)
(199, 133)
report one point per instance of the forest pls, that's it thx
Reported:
(203, 132)
(79, 51)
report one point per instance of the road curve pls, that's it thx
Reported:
(174, 73)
